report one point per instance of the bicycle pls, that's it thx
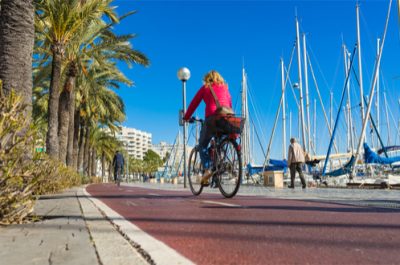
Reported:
(226, 161)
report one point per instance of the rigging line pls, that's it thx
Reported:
(255, 108)
(166, 164)
(292, 89)
(320, 100)
(288, 77)
(372, 45)
(319, 66)
(236, 101)
(383, 79)
(276, 119)
(256, 114)
(398, 14)
(394, 122)
(187, 141)
(258, 137)
(339, 111)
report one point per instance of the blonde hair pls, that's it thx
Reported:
(213, 77)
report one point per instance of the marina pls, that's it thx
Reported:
(355, 156)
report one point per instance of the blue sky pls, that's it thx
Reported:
(222, 35)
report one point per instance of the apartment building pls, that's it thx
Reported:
(136, 142)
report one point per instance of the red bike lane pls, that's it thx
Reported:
(209, 229)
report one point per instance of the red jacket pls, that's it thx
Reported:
(204, 93)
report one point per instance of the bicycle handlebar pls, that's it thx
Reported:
(194, 119)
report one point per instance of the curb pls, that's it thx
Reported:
(151, 249)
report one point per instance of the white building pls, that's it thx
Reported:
(136, 142)
(162, 149)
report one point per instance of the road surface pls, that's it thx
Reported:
(209, 229)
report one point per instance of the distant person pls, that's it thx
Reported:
(296, 160)
(118, 164)
(214, 89)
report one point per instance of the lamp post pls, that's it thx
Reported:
(184, 75)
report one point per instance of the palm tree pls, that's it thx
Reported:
(105, 145)
(16, 47)
(101, 48)
(97, 105)
(58, 22)
(104, 107)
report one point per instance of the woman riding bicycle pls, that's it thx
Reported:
(215, 81)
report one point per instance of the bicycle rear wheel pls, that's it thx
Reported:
(195, 172)
(229, 168)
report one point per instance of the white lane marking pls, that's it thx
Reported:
(158, 250)
(222, 203)
(153, 194)
(129, 203)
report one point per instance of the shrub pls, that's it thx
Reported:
(53, 176)
(23, 175)
(17, 178)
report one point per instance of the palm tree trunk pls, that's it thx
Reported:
(94, 164)
(67, 99)
(81, 148)
(110, 173)
(16, 48)
(63, 124)
(77, 121)
(71, 129)
(89, 165)
(86, 152)
(54, 96)
(103, 165)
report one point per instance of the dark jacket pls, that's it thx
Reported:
(118, 160)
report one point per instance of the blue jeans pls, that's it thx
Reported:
(207, 132)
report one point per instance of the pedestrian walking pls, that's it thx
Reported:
(118, 164)
(296, 159)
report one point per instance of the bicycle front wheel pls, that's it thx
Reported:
(195, 172)
(230, 168)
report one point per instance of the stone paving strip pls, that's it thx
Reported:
(71, 231)
(61, 237)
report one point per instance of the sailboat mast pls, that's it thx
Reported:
(377, 66)
(387, 119)
(350, 144)
(306, 87)
(348, 97)
(350, 114)
(290, 123)
(315, 126)
(303, 135)
(283, 111)
(244, 147)
(377, 91)
(360, 65)
(245, 114)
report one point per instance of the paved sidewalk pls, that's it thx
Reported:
(71, 231)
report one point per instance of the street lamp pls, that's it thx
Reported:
(184, 75)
